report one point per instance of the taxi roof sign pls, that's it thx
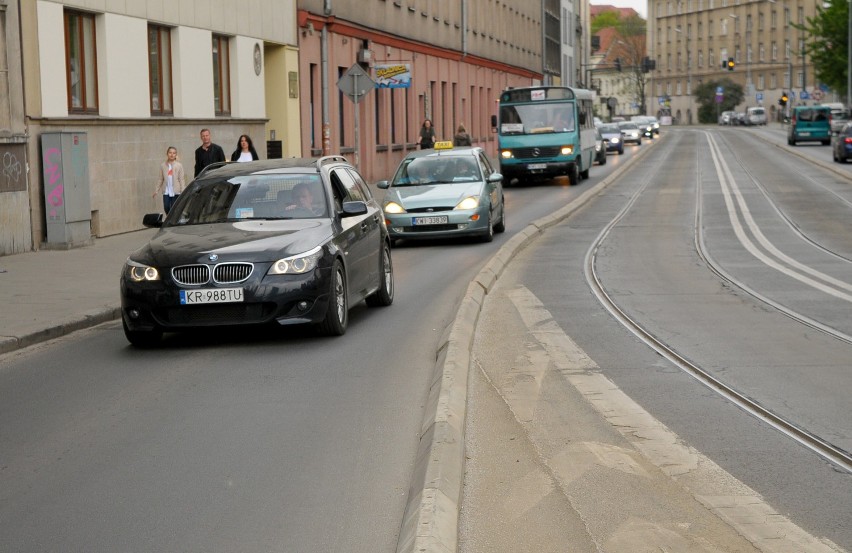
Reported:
(444, 145)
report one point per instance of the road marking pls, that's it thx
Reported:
(729, 190)
(730, 500)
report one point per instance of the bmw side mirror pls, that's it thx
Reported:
(153, 220)
(354, 208)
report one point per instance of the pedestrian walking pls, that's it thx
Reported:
(427, 135)
(171, 181)
(208, 152)
(245, 150)
(462, 138)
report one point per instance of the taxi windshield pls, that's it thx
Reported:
(437, 170)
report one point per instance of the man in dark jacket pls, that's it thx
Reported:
(207, 153)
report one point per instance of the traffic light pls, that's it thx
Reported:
(731, 64)
(782, 101)
(618, 64)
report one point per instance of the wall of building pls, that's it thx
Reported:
(447, 86)
(15, 233)
(125, 143)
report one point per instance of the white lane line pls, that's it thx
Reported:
(731, 500)
(729, 189)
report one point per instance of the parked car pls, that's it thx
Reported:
(444, 193)
(842, 147)
(612, 134)
(278, 242)
(630, 132)
(600, 147)
(809, 124)
(839, 117)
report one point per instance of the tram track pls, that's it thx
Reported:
(826, 450)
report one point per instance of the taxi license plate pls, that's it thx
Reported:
(211, 295)
(436, 220)
(535, 166)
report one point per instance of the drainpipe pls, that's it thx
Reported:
(326, 120)
(464, 27)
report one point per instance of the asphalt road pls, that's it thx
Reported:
(240, 440)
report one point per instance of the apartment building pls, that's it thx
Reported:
(692, 41)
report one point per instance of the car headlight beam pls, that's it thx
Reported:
(471, 202)
(139, 272)
(393, 208)
(297, 264)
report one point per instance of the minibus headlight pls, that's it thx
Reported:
(506, 154)
(567, 150)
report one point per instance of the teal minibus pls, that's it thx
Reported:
(544, 132)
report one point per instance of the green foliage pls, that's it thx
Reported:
(604, 20)
(705, 96)
(828, 42)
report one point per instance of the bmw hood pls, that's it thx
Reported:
(255, 241)
(436, 195)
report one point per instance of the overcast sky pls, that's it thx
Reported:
(641, 6)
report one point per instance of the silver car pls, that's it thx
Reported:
(442, 193)
(631, 132)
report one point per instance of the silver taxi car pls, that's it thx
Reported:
(444, 192)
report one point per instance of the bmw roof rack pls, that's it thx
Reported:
(214, 165)
(330, 159)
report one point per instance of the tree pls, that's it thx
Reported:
(629, 47)
(605, 19)
(828, 43)
(705, 95)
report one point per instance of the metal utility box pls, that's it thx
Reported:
(67, 201)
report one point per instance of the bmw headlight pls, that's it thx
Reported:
(138, 272)
(393, 208)
(297, 264)
(471, 202)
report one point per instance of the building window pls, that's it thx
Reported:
(221, 75)
(81, 62)
(160, 69)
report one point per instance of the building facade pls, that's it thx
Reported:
(129, 79)
(692, 39)
(443, 60)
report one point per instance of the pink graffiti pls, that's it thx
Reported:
(53, 171)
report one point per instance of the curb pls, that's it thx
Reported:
(430, 522)
(86, 320)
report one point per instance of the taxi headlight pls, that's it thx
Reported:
(393, 207)
(297, 264)
(506, 154)
(471, 202)
(137, 272)
(567, 150)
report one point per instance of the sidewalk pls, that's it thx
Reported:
(50, 293)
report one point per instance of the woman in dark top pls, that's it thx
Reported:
(462, 138)
(427, 135)
(245, 150)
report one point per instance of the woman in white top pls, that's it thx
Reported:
(171, 181)
(245, 150)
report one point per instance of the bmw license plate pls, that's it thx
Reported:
(211, 295)
(536, 166)
(436, 220)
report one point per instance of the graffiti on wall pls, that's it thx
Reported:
(13, 166)
(54, 184)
